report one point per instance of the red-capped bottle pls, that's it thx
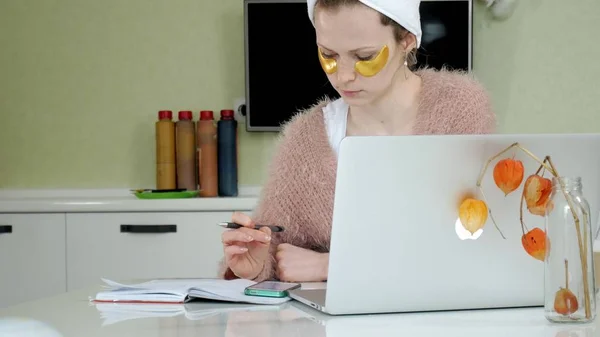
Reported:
(186, 151)
(165, 151)
(207, 155)
(227, 154)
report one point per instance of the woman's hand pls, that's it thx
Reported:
(295, 264)
(246, 249)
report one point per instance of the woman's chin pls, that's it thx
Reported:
(356, 100)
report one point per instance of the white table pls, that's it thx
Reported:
(71, 314)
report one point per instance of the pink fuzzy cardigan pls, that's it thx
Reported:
(300, 187)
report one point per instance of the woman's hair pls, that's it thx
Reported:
(399, 32)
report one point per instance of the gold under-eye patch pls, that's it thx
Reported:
(372, 67)
(328, 65)
(365, 68)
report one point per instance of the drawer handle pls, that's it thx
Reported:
(5, 229)
(149, 229)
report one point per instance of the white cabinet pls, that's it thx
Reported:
(125, 246)
(32, 257)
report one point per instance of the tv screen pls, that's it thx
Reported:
(283, 74)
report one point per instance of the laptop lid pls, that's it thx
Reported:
(394, 243)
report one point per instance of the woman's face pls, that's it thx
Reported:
(353, 34)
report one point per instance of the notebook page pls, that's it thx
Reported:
(175, 286)
(163, 290)
(232, 291)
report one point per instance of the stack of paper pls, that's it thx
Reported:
(182, 291)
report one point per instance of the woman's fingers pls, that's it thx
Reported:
(257, 235)
(245, 235)
(231, 237)
(267, 231)
(249, 225)
(242, 219)
(234, 250)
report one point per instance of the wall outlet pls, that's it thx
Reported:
(237, 107)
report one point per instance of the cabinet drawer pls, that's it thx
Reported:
(32, 257)
(124, 246)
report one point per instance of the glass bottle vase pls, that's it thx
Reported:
(569, 284)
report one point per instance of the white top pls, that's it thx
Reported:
(71, 314)
(336, 120)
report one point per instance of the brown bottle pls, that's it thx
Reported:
(207, 155)
(165, 151)
(186, 151)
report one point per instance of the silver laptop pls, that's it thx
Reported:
(397, 244)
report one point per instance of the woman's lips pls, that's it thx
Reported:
(350, 92)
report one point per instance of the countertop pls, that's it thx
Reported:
(116, 200)
(71, 314)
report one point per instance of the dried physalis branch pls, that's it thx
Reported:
(508, 175)
(506, 183)
(534, 241)
(536, 194)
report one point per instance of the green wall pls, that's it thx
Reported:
(81, 81)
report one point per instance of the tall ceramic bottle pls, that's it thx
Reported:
(186, 153)
(570, 293)
(165, 151)
(227, 154)
(207, 155)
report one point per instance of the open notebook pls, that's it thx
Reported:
(112, 313)
(182, 291)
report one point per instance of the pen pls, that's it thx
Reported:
(235, 226)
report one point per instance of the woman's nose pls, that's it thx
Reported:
(346, 73)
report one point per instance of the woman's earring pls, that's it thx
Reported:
(405, 66)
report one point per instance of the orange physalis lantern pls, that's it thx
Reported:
(565, 302)
(534, 243)
(508, 175)
(537, 194)
(473, 214)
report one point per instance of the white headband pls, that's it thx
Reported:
(404, 12)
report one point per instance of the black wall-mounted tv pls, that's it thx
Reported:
(280, 31)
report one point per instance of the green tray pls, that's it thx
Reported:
(166, 195)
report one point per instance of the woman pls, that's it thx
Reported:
(367, 49)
